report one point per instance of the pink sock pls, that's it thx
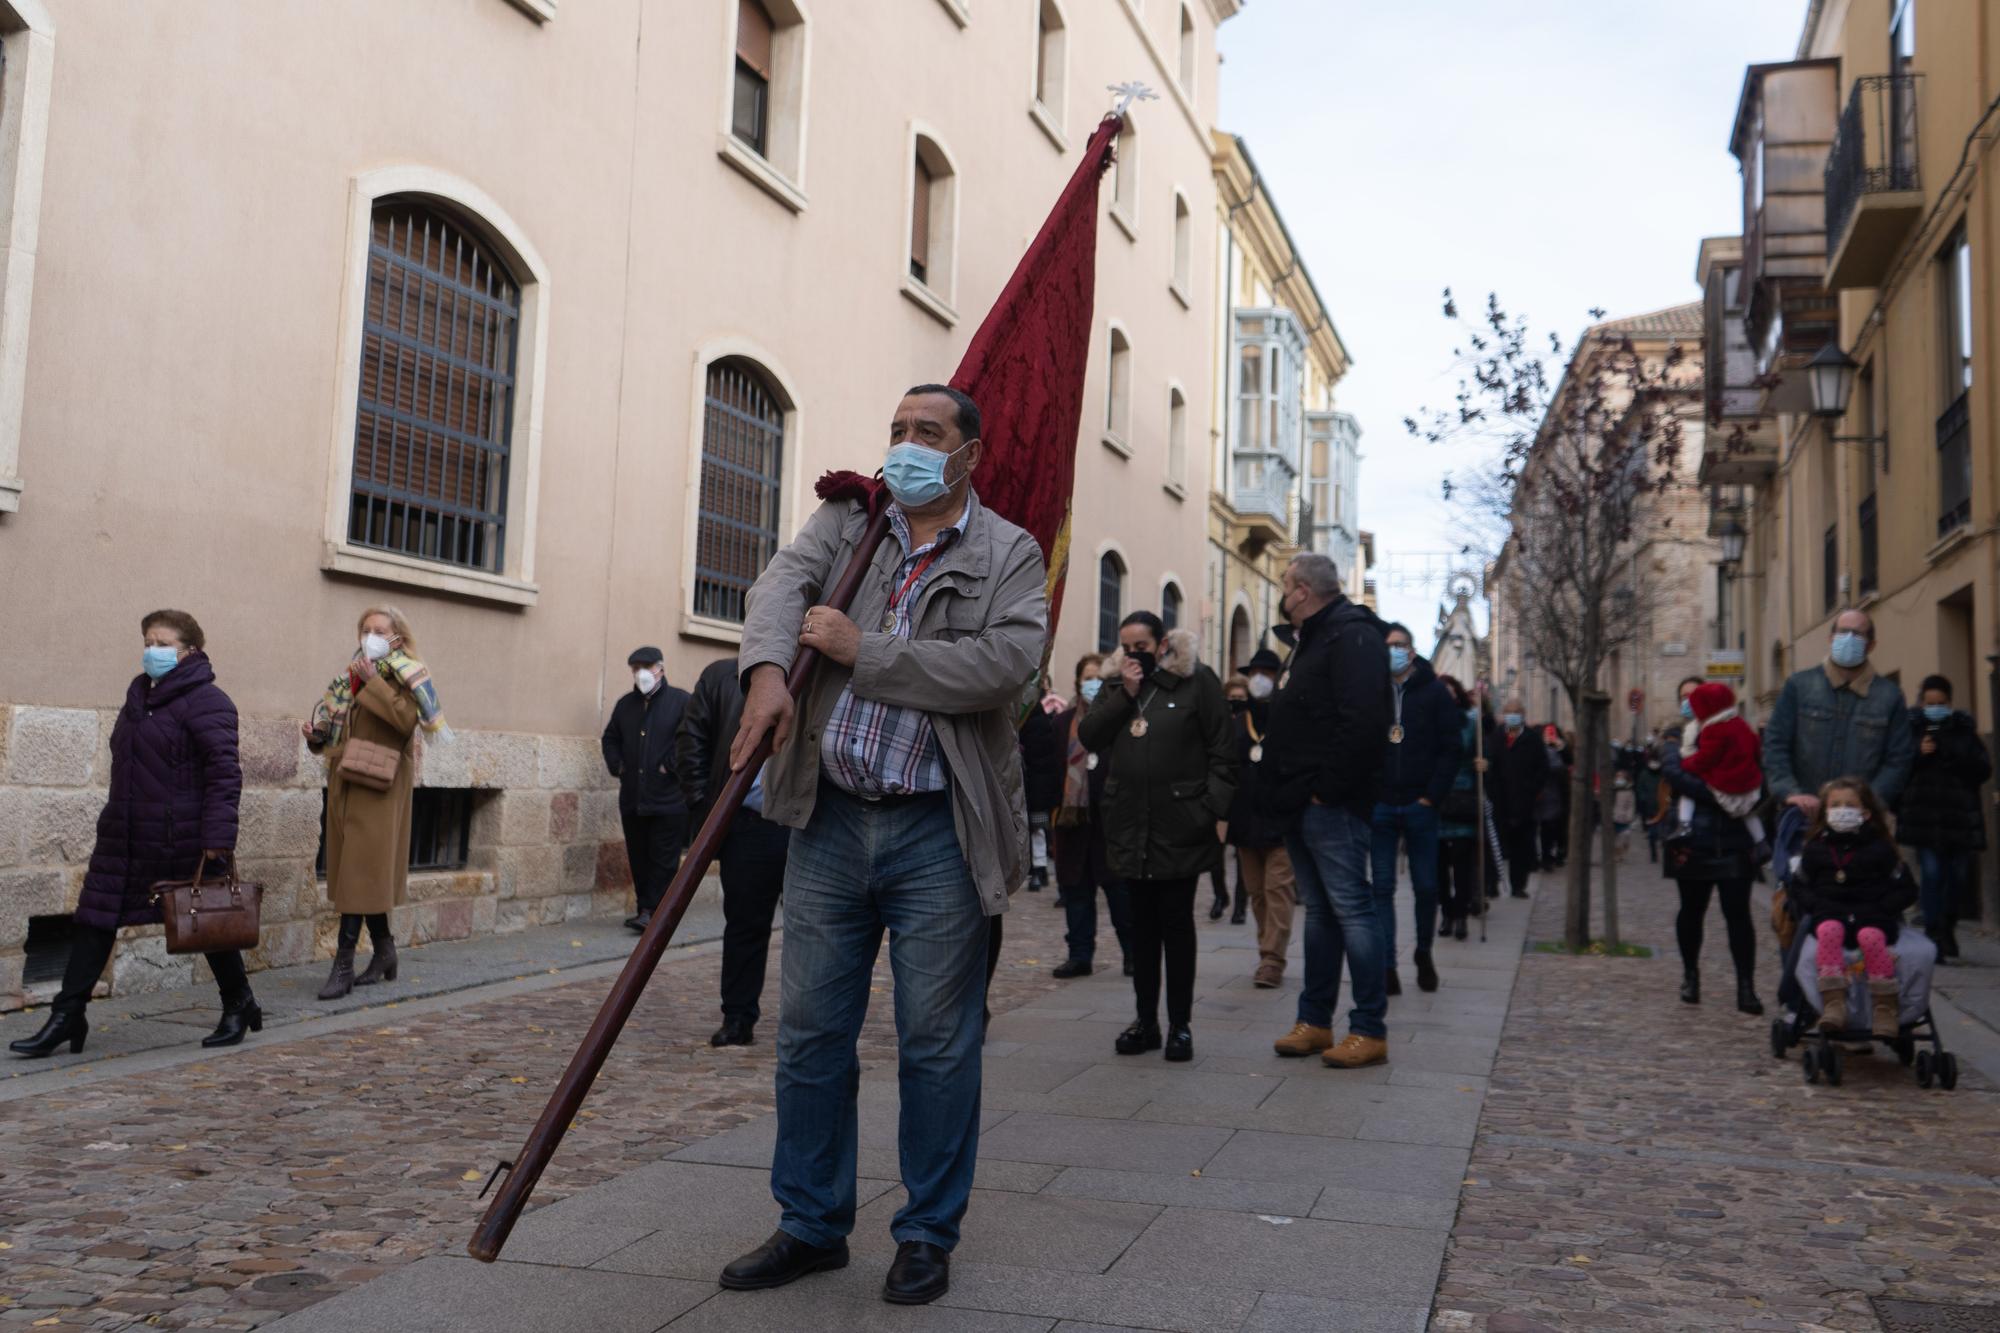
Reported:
(1876, 960)
(1832, 939)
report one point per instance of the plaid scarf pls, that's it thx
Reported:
(1075, 808)
(329, 717)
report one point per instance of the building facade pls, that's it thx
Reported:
(556, 384)
(1283, 461)
(1866, 263)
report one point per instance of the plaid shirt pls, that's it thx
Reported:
(875, 749)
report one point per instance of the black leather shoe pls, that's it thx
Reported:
(1180, 1045)
(638, 922)
(1128, 967)
(632, 922)
(1217, 908)
(62, 1025)
(1138, 1038)
(1691, 987)
(1074, 967)
(237, 1019)
(781, 1259)
(920, 1274)
(1427, 973)
(734, 1032)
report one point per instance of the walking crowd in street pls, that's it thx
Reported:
(920, 779)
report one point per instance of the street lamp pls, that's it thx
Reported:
(1732, 543)
(1830, 376)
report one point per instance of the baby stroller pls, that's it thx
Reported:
(1917, 1043)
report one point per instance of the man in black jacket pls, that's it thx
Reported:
(752, 856)
(639, 751)
(1330, 720)
(1520, 769)
(1422, 763)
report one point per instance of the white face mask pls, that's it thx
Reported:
(1845, 818)
(645, 680)
(374, 647)
(1260, 686)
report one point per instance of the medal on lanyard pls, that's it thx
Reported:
(1256, 741)
(1396, 734)
(1090, 762)
(896, 598)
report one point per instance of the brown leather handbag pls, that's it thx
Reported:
(370, 764)
(214, 917)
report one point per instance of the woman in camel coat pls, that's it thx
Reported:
(384, 696)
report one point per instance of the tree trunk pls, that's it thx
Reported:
(1600, 754)
(1576, 885)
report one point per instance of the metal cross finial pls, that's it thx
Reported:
(1129, 93)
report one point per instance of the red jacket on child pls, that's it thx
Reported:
(1725, 749)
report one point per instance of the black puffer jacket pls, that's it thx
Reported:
(1876, 889)
(1330, 713)
(1716, 848)
(1940, 807)
(1170, 786)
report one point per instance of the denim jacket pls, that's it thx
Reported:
(1818, 733)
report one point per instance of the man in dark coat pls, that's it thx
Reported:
(1417, 775)
(752, 856)
(1330, 720)
(1940, 813)
(1520, 771)
(1256, 829)
(639, 751)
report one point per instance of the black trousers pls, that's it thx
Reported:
(1735, 896)
(90, 950)
(1555, 838)
(753, 879)
(1517, 844)
(1459, 888)
(653, 846)
(1162, 912)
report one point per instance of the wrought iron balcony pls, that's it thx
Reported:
(1954, 443)
(1873, 191)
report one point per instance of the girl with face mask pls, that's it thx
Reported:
(1852, 885)
(382, 699)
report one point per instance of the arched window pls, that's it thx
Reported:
(1176, 437)
(1170, 605)
(933, 218)
(1118, 389)
(1183, 246)
(742, 460)
(1187, 51)
(1239, 639)
(1110, 599)
(1051, 62)
(434, 418)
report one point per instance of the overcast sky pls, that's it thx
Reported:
(1566, 154)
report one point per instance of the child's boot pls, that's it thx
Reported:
(1882, 996)
(1833, 1003)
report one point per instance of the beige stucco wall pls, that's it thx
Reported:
(187, 368)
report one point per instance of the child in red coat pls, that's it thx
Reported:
(1725, 757)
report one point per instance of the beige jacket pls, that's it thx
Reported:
(971, 662)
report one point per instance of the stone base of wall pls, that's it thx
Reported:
(546, 844)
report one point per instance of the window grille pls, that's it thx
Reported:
(742, 460)
(1170, 606)
(45, 953)
(750, 108)
(440, 829)
(435, 415)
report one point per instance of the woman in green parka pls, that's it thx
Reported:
(1163, 720)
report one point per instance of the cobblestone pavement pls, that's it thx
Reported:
(1642, 1164)
(228, 1191)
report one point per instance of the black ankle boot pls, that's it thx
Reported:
(1138, 1038)
(1690, 987)
(1427, 973)
(237, 1018)
(1746, 997)
(62, 1025)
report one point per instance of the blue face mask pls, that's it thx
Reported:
(1399, 660)
(1089, 689)
(1513, 720)
(1849, 650)
(1687, 710)
(1937, 712)
(914, 473)
(159, 661)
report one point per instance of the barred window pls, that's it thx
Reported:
(435, 417)
(742, 460)
(1110, 599)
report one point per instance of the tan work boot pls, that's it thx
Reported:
(1355, 1051)
(1833, 1003)
(1882, 997)
(1268, 977)
(1303, 1040)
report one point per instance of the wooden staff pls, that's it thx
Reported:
(1479, 797)
(526, 1170)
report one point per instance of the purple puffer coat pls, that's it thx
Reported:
(175, 783)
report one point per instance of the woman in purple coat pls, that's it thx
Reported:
(175, 784)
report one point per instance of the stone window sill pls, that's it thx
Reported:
(1045, 120)
(708, 630)
(1948, 543)
(1116, 444)
(10, 495)
(1174, 488)
(959, 13)
(541, 11)
(929, 301)
(765, 176)
(1180, 294)
(342, 559)
(1125, 223)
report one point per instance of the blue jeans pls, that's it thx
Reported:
(857, 868)
(1414, 826)
(1942, 875)
(1080, 913)
(1329, 850)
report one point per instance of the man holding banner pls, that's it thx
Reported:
(903, 783)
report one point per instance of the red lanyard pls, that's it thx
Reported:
(896, 597)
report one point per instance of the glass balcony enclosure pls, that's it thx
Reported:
(1268, 351)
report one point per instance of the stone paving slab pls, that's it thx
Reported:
(451, 1295)
(1278, 1253)
(1056, 1232)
